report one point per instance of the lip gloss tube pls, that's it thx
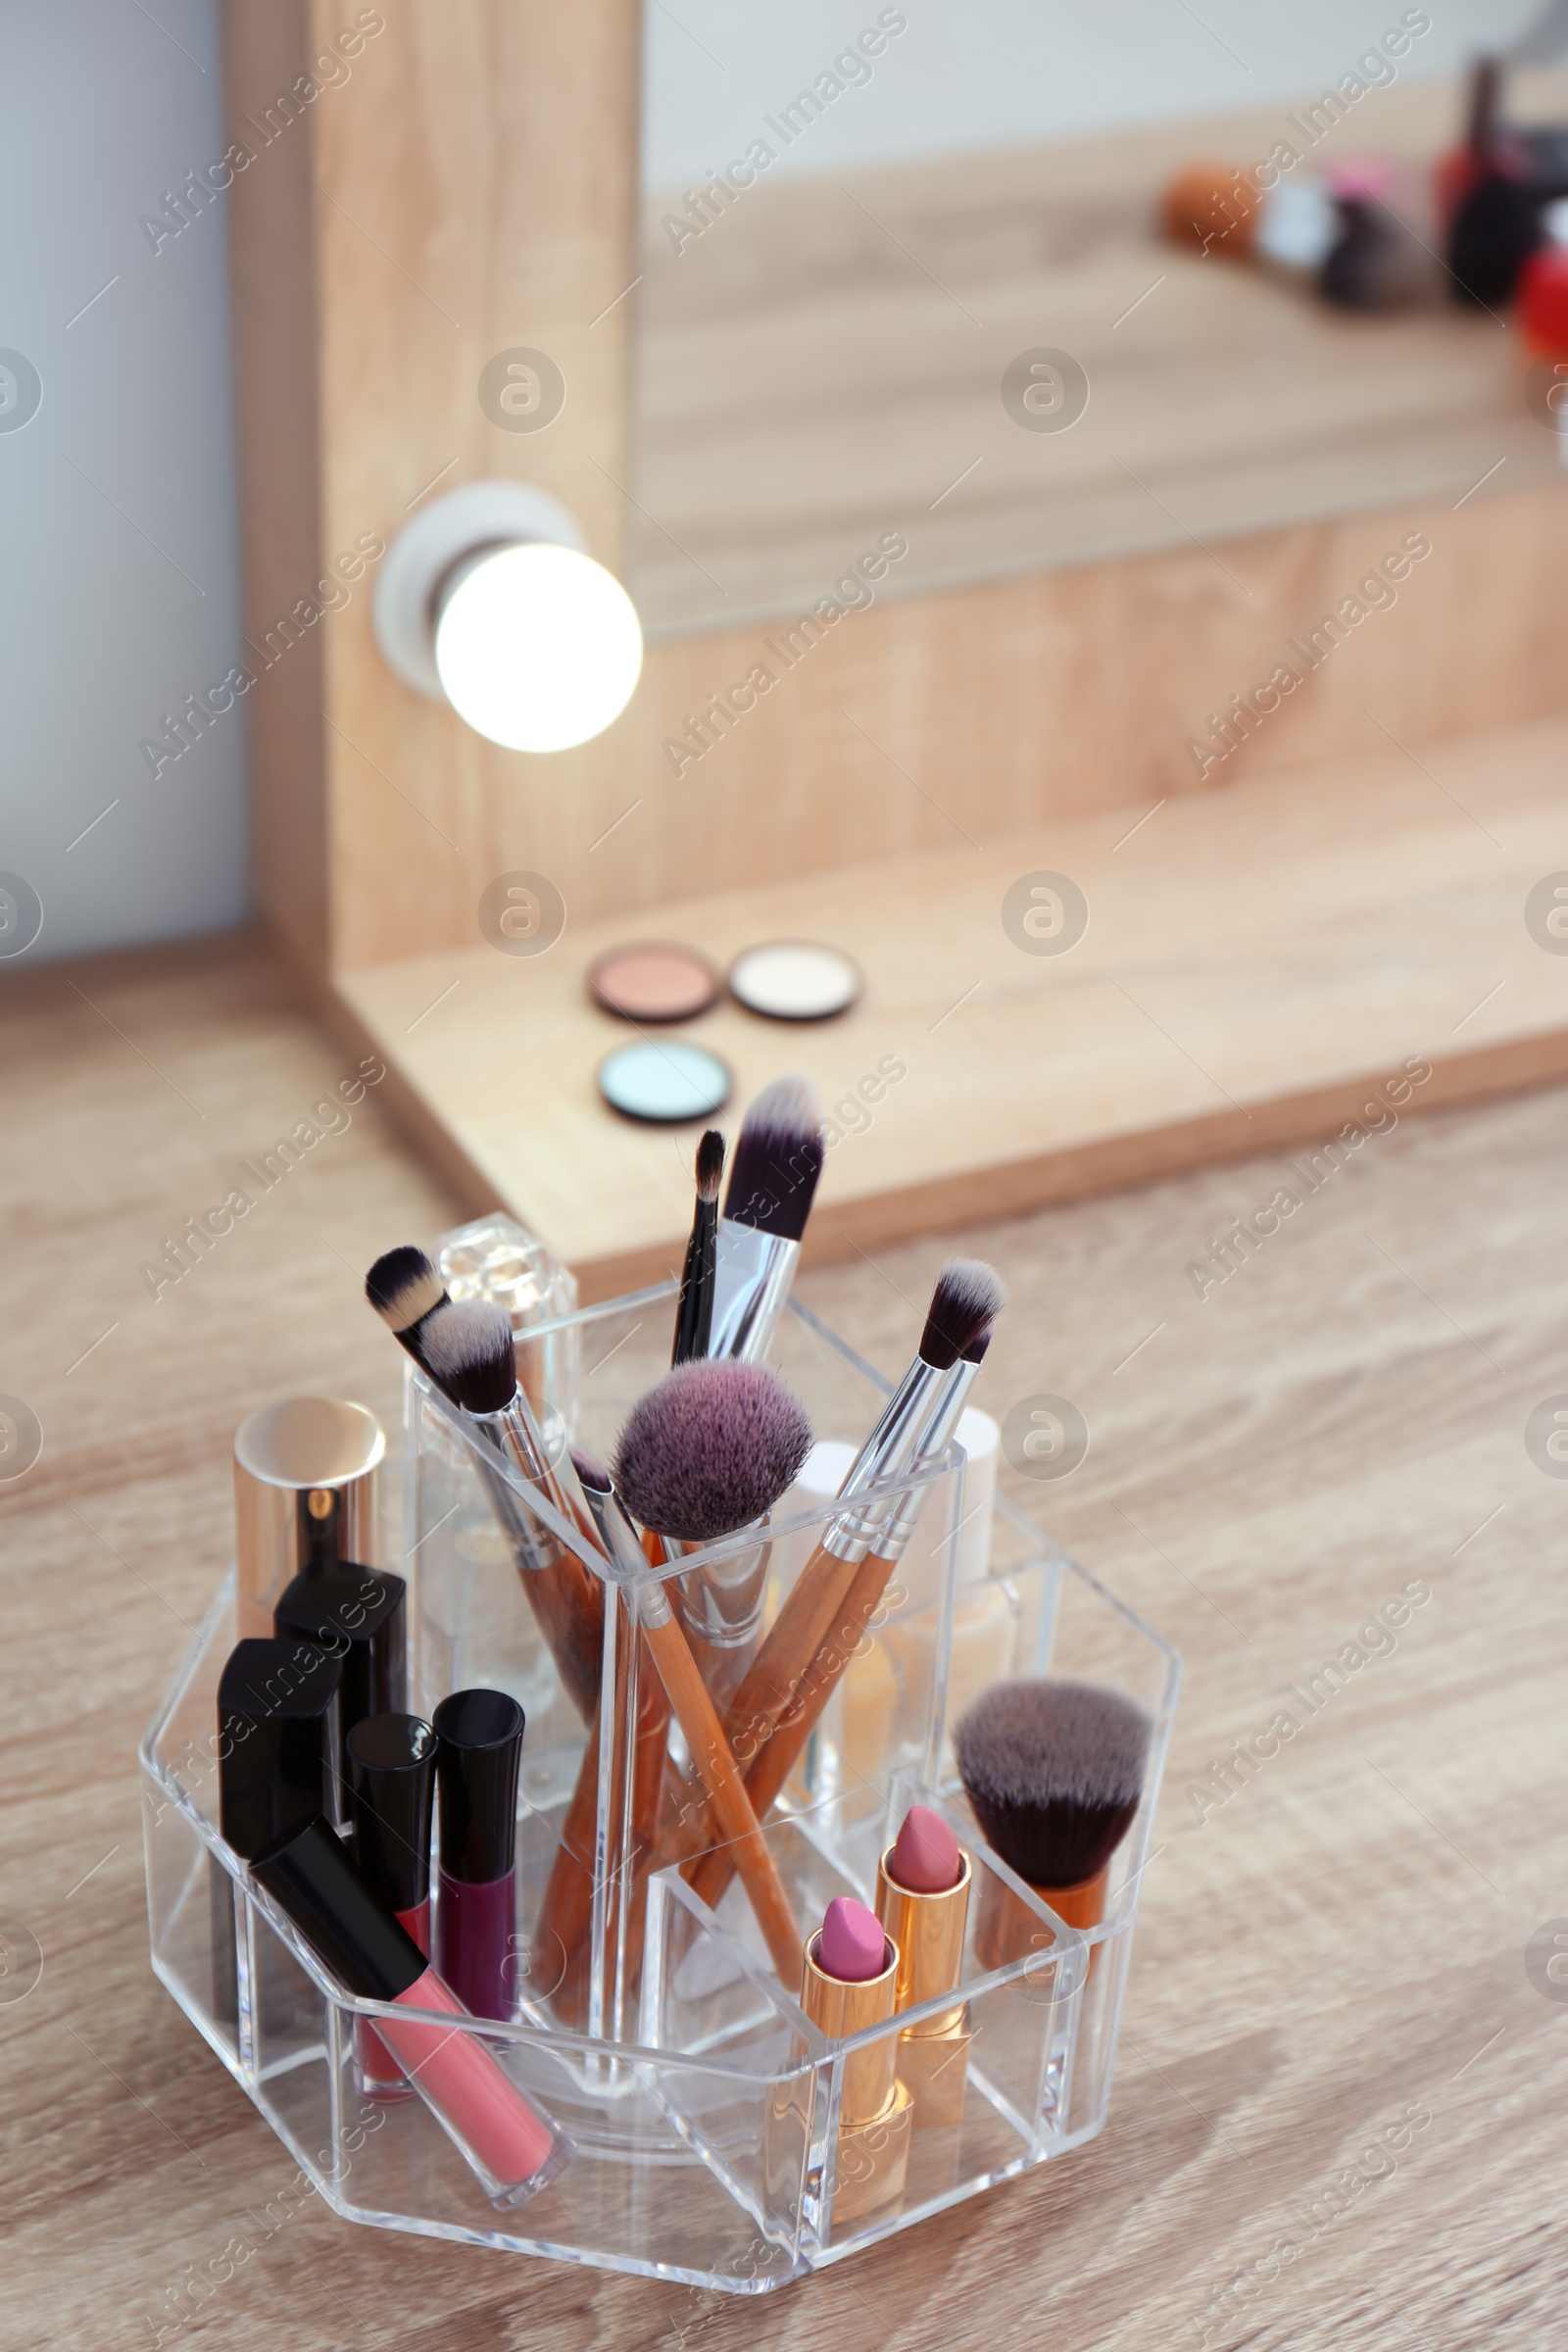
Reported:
(479, 1758)
(922, 1899)
(391, 1766)
(849, 1984)
(510, 2143)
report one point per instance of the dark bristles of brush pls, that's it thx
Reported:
(467, 1348)
(1054, 1771)
(592, 1476)
(967, 1302)
(404, 1288)
(778, 1159)
(694, 1309)
(709, 1450)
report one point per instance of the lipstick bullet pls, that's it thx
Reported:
(849, 1985)
(922, 1900)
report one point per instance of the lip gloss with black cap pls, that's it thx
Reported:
(510, 2143)
(391, 1772)
(357, 1615)
(479, 1758)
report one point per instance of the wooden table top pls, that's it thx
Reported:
(1335, 1950)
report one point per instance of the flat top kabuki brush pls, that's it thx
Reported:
(467, 1348)
(1055, 1772)
(839, 1590)
(773, 1183)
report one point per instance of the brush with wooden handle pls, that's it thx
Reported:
(839, 1591)
(786, 1441)
(469, 1350)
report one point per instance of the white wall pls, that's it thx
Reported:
(973, 73)
(119, 589)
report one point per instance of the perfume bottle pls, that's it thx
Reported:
(498, 1260)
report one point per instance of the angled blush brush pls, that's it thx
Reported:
(1053, 1770)
(694, 1309)
(467, 1350)
(773, 1183)
(839, 1591)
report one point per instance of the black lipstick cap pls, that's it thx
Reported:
(277, 1747)
(356, 1615)
(391, 1769)
(315, 1879)
(479, 1758)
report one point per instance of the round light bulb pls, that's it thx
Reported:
(538, 647)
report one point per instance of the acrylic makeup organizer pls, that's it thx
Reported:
(703, 2105)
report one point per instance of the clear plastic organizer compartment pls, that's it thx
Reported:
(830, 2143)
(664, 2039)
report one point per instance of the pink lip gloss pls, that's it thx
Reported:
(391, 1776)
(510, 2143)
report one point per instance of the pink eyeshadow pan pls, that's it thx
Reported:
(649, 981)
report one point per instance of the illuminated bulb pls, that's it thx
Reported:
(538, 647)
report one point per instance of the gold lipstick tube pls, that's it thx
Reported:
(306, 1496)
(933, 2056)
(874, 2107)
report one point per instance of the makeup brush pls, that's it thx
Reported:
(711, 1448)
(1055, 1772)
(841, 1587)
(705, 1454)
(578, 1889)
(469, 1350)
(694, 1309)
(784, 1437)
(773, 1183)
(405, 1289)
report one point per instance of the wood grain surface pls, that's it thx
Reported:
(830, 350)
(1341, 1941)
(1255, 959)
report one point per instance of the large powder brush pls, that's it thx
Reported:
(709, 1450)
(1055, 1772)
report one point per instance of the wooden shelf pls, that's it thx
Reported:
(1255, 959)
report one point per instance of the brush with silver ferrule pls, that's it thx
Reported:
(839, 1591)
(773, 1181)
(689, 1697)
(468, 1350)
(405, 1289)
(694, 1309)
(706, 1453)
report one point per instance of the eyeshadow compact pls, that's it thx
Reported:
(795, 980)
(653, 981)
(665, 1082)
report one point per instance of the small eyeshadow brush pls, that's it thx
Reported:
(694, 1309)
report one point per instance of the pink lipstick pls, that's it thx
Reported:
(848, 1986)
(922, 1901)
